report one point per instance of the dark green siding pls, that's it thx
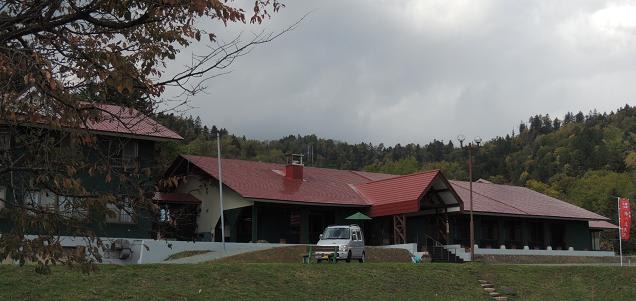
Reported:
(142, 227)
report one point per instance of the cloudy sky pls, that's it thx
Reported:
(411, 71)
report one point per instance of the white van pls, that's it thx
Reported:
(344, 242)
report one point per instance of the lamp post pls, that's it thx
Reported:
(470, 146)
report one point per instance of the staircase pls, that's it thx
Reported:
(445, 253)
(441, 254)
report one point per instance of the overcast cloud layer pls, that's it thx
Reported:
(412, 71)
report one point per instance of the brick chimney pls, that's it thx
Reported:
(294, 168)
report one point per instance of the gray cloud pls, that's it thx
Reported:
(412, 71)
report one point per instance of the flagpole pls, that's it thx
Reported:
(218, 156)
(620, 234)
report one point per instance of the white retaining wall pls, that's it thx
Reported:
(145, 251)
(412, 248)
(480, 251)
(465, 255)
(157, 250)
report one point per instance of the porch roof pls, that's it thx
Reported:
(175, 197)
(402, 194)
(602, 225)
(515, 200)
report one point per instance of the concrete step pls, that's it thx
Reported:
(482, 281)
(487, 285)
(494, 294)
(500, 298)
(489, 289)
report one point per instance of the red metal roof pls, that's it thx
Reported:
(128, 121)
(175, 197)
(602, 225)
(267, 181)
(385, 194)
(397, 195)
(507, 199)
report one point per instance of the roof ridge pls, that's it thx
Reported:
(404, 176)
(359, 173)
(364, 197)
(356, 172)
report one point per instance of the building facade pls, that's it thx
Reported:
(292, 204)
(124, 144)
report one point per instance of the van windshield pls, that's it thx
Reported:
(336, 233)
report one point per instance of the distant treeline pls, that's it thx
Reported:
(582, 158)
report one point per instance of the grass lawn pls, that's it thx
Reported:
(293, 281)
(279, 281)
(563, 282)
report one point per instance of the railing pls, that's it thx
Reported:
(434, 242)
(439, 250)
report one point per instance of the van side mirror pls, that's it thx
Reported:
(320, 236)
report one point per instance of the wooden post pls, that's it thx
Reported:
(254, 223)
(399, 229)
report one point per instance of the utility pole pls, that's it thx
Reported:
(470, 145)
(218, 157)
(620, 238)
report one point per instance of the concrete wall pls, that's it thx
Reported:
(208, 192)
(411, 247)
(156, 251)
(480, 251)
(145, 251)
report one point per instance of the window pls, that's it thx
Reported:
(164, 215)
(355, 235)
(40, 200)
(596, 240)
(5, 142)
(48, 201)
(130, 150)
(72, 207)
(336, 233)
(129, 154)
(121, 214)
(3, 196)
(122, 153)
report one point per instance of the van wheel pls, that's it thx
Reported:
(349, 256)
(362, 259)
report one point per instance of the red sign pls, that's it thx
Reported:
(626, 218)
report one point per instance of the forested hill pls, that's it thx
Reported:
(582, 158)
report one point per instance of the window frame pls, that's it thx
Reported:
(5, 142)
(124, 215)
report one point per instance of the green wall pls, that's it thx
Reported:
(96, 184)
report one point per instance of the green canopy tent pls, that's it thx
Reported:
(359, 216)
